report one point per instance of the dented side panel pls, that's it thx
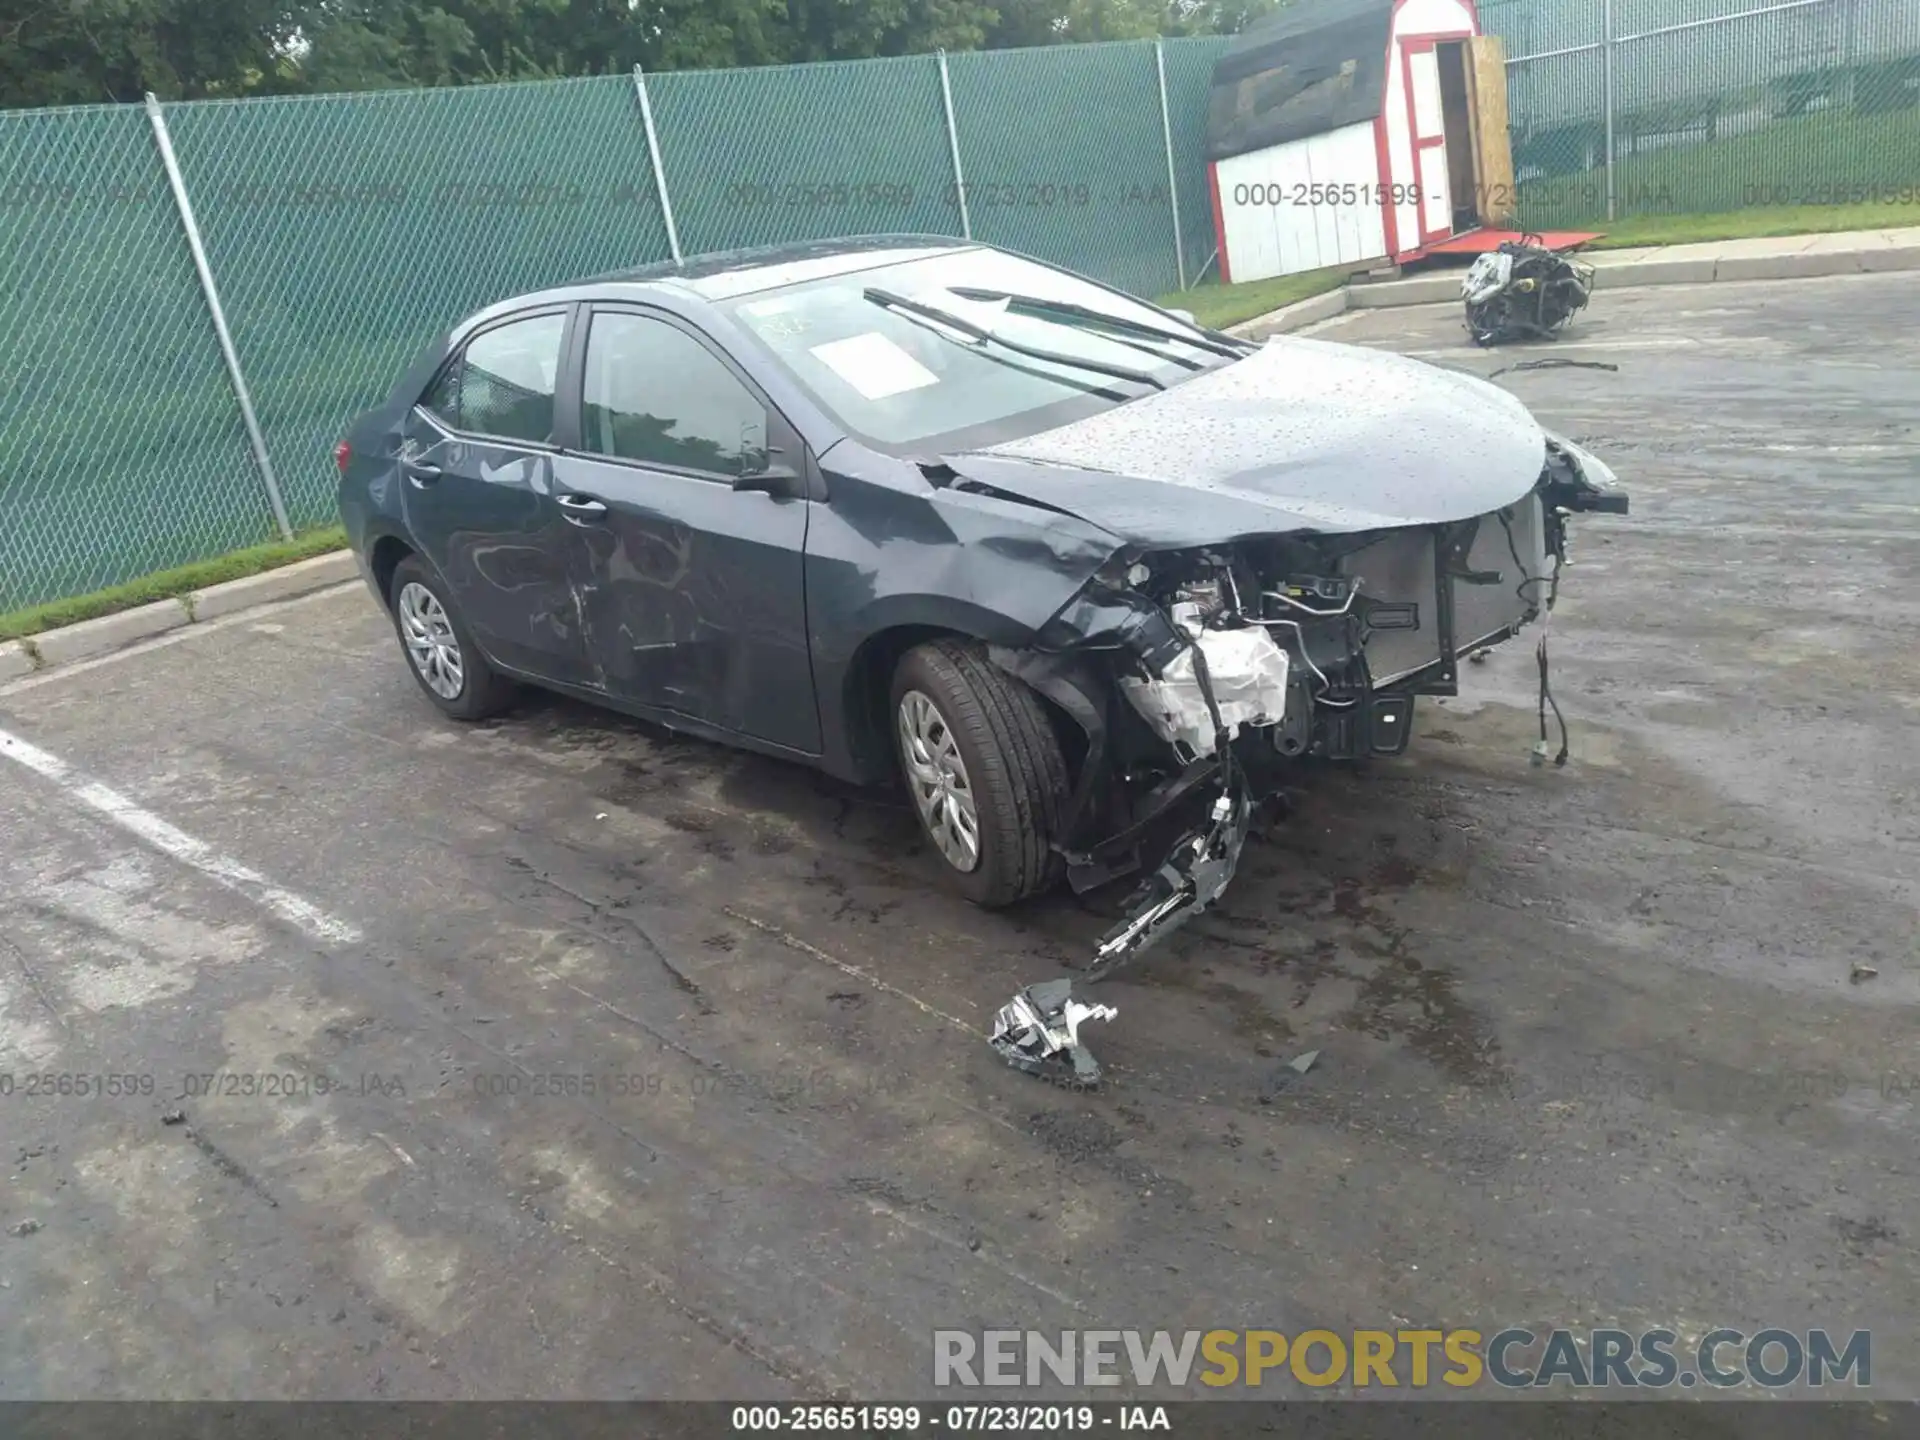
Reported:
(694, 599)
(885, 556)
(489, 525)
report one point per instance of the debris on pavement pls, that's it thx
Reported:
(1191, 878)
(174, 1117)
(1555, 364)
(1523, 291)
(1283, 1078)
(1038, 1031)
(24, 1228)
(1863, 972)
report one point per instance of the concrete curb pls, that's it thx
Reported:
(1310, 311)
(109, 632)
(1658, 272)
(102, 636)
(285, 583)
(1609, 275)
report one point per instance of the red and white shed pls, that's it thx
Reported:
(1342, 131)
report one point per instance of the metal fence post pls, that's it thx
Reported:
(1173, 182)
(953, 149)
(659, 170)
(255, 440)
(1606, 41)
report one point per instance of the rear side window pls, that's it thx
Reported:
(504, 382)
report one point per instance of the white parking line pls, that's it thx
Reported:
(170, 840)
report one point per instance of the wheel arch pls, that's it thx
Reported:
(865, 688)
(383, 558)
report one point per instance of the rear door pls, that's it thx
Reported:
(693, 591)
(476, 470)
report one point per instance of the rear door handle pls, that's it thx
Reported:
(420, 472)
(582, 508)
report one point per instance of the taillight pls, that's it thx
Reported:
(342, 453)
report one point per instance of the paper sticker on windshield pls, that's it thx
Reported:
(874, 365)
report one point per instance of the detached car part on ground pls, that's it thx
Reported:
(1083, 574)
(1523, 292)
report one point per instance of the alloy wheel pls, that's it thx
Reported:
(431, 643)
(942, 790)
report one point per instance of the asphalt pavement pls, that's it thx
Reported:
(559, 1057)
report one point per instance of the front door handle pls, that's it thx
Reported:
(582, 508)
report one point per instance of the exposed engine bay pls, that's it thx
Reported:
(1523, 291)
(1200, 675)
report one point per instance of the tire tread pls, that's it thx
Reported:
(1023, 782)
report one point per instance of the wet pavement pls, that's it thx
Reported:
(600, 1063)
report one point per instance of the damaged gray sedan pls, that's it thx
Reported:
(1086, 576)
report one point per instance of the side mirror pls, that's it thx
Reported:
(775, 477)
(1185, 317)
(764, 467)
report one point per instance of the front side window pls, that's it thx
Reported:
(504, 384)
(655, 394)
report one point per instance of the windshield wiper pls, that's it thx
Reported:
(888, 298)
(1219, 344)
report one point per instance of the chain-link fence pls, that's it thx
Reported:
(121, 450)
(338, 234)
(1709, 105)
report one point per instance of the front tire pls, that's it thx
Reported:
(439, 649)
(984, 770)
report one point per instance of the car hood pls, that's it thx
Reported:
(1302, 435)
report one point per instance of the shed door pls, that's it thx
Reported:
(1426, 117)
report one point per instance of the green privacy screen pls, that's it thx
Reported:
(805, 152)
(1065, 159)
(347, 230)
(121, 451)
(344, 232)
(1189, 77)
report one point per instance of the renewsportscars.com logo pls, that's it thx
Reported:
(1513, 1358)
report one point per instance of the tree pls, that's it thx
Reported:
(63, 52)
(859, 29)
(1052, 22)
(78, 52)
(355, 44)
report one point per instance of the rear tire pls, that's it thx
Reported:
(439, 648)
(972, 739)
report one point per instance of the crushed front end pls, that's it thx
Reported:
(1200, 675)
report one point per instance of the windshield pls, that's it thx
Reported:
(902, 381)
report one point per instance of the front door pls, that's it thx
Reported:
(476, 473)
(693, 592)
(1426, 114)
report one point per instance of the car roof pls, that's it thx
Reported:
(727, 274)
